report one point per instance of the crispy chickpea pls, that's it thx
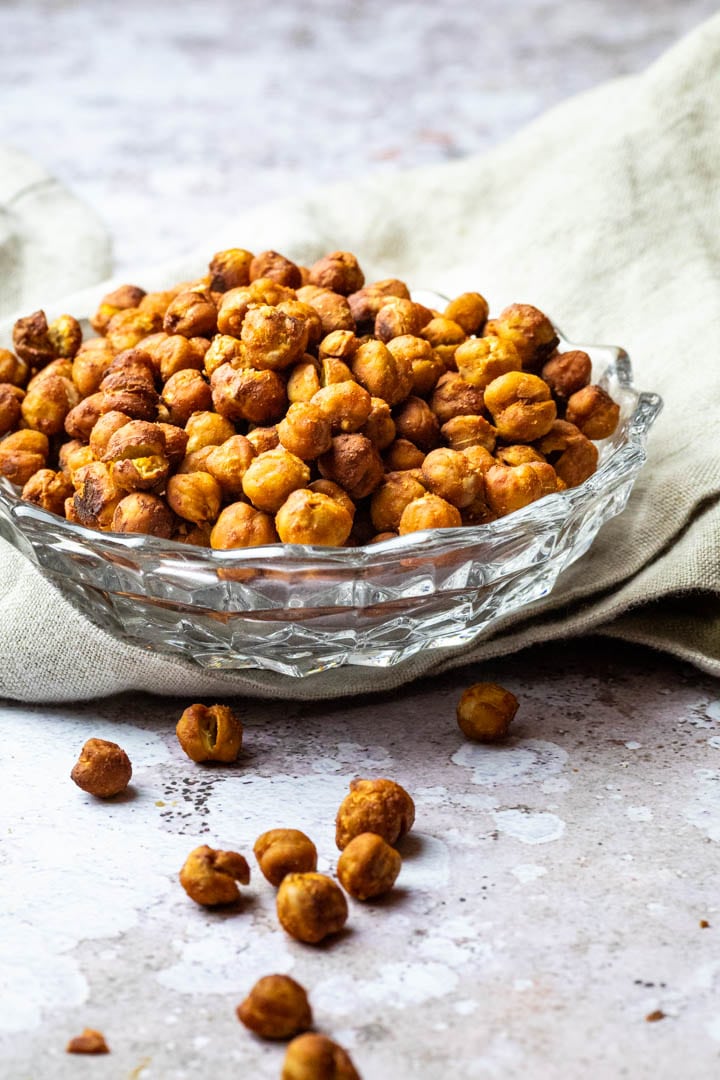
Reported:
(415, 421)
(306, 314)
(519, 454)
(478, 512)
(469, 310)
(548, 478)
(263, 438)
(232, 310)
(310, 907)
(485, 712)
(240, 525)
(309, 517)
(448, 473)
(303, 381)
(106, 425)
(90, 365)
(224, 349)
(347, 405)
(480, 458)
(207, 429)
(397, 491)
(480, 360)
(429, 512)
(31, 341)
(11, 398)
(120, 299)
(305, 431)
(273, 339)
(333, 309)
(96, 496)
(444, 335)
(366, 302)
(521, 406)
(340, 345)
(192, 314)
(60, 368)
(83, 417)
(566, 373)
(531, 332)
(196, 496)
(249, 394)
(315, 1057)
(229, 269)
(354, 463)
(210, 877)
(185, 393)
(334, 491)
(464, 431)
(229, 462)
(398, 317)
(280, 852)
(277, 1007)
(142, 512)
(334, 371)
(368, 866)
(509, 488)
(90, 1042)
(193, 535)
(377, 806)
(593, 411)
(74, 456)
(383, 374)
(210, 733)
(12, 369)
(47, 403)
(21, 455)
(402, 455)
(176, 441)
(453, 396)
(127, 329)
(178, 353)
(65, 335)
(103, 769)
(157, 302)
(136, 456)
(272, 476)
(380, 538)
(269, 264)
(339, 271)
(49, 490)
(379, 427)
(571, 453)
(425, 364)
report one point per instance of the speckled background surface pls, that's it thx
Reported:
(552, 893)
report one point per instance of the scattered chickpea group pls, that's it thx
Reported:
(213, 412)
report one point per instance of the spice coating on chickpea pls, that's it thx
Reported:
(383, 374)
(277, 1007)
(315, 1057)
(449, 474)
(593, 411)
(395, 493)
(229, 269)
(509, 488)
(229, 462)
(347, 406)
(354, 464)
(368, 866)
(210, 877)
(22, 453)
(485, 712)
(142, 512)
(429, 512)
(103, 769)
(530, 331)
(248, 394)
(565, 373)
(521, 406)
(305, 431)
(195, 496)
(210, 733)
(310, 907)
(469, 310)
(272, 265)
(49, 490)
(192, 314)
(309, 517)
(376, 806)
(240, 525)
(398, 317)
(272, 339)
(453, 396)
(280, 852)
(272, 476)
(339, 271)
(571, 453)
(10, 401)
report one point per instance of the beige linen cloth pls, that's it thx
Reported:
(606, 213)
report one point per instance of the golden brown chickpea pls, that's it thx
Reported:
(21, 455)
(74, 456)
(481, 360)
(402, 455)
(31, 341)
(593, 411)
(157, 302)
(368, 867)
(448, 473)
(224, 349)
(478, 512)
(136, 457)
(566, 373)
(444, 335)
(305, 431)
(65, 335)
(469, 310)
(186, 393)
(531, 332)
(397, 491)
(269, 264)
(571, 453)
(354, 463)
(464, 431)
(485, 712)
(509, 488)
(310, 907)
(107, 425)
(339, 345)
(127, 329)
(398, 317)
(303, 381)
(176, 441)
(207, 429)
(47, 403)
(272, 339)
(60, 368)
(196, 496)
(521, 406)
(429, 512)
(210, 877)
(229, 462)
(277, 1007)
(192, 314)
(229, 269)
(131, 369)
(519, 454)
(210, 733)
(90, 1042)
(232, 310)
(178, 353)
(334, 491)
(549, 480)
(380, 538)
(13, 369)
(81, 419)
(339, 272)
(346, 405)
(90, 365)
(249, 394)
(309, 517)
(142, 512)
(381, 373)
(241, 526)
(304, 313)
(280, 852)
(333, 309)
(103, 769)
(453, 396)
(425, 364)
(11, 398)
(49, 490)
(272, 476)
(315, 1057)
(377, 806)
(121, 299)
(480, 459)
(366, 302)
(263, 438)
(379, 427)
(415, 421)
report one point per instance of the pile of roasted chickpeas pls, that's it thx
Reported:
(273, 402)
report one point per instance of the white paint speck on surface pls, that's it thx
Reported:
(529, 827)
(466, 1007)
(632, 745)
(713, 710)
(714, 741)
(529, 761)
(528, 871)
(639, 813)
(703, 810)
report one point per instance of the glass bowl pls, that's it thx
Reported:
(299, 610)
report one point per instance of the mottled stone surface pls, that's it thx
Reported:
(550, 900)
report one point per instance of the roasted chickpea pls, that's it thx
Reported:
(233, 308)
(366, 302)
(310, 907)
(383, 374)
(104, 428)
(277, 1007)
(207, 429)
(127, 329)
(481, 360)
(464, 431)
(531, 332)
(398, 317)
(272, 476)
(334, 491)
(415, 421)
(509, 488)
(47, 403)
(224, 349)
(346, 405)
(339, 272)
(485, 712)
(96, 496)
(469, 310)
(402, 455)
(49, 490)
(179, 353)
(354, 463)
(273, 339)
(185, 393)
(315, 1057)
(61, 368)
(397, 491)
(444, 335)
(305, 431)
(593, 411)
(157, 302)
(11, 398)
(453, 396)
(90, 1042)
(521, 406)
(196, 496)
(429, 512)
(192, 314)
(84, 416)
(376, 806)
(480, 458)
(12, 369)
(566, 373)
(176, 441)
(21, 455)
(306, 314)
(103, 769)
(333, 309)
(210, 877)
(229, 462)
(249, 394)
(121, 299)
(571, 453)
(548, 478)
(73, 456)
(425, 364)
(141, 512)
(379, 427)
(478, 512)
(519, 454)
(309, 517)
(136, 456)
(210, 733)
(340, 345)
(91, 362)
(31, 341)
(240, 526)
(269, 264)
(280, 852)
(368, 866)
(263, 438)
(448, 473)
(229, 269)
(65, 336)
(303, 381)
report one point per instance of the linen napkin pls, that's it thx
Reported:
(606, 214)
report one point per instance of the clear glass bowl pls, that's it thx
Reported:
(299, 610)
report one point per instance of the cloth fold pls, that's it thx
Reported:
(606, 214)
